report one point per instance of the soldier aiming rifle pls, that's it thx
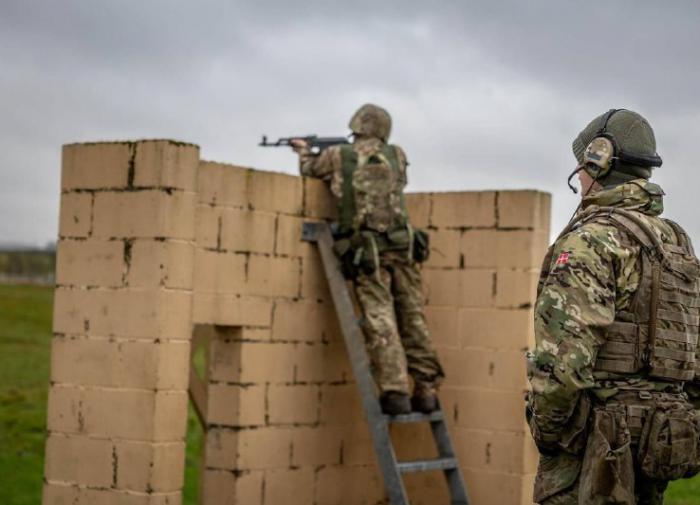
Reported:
(379, 251)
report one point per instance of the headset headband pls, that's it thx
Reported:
(631, 158)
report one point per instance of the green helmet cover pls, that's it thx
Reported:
(371, 121)
(631, 133)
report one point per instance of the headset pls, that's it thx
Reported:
(604, 153)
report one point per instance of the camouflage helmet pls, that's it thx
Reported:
(371, 121)
(634, 144)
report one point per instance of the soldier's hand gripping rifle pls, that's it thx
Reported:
(316, 143)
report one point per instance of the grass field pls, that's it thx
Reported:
(25, 338)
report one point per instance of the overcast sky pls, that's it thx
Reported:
(484, 95)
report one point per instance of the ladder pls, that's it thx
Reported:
(392, 470)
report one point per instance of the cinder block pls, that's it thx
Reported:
(144, 214)
(221, 448)
(161, 263)
(103, 362)
(273, 276)
(137, 313)
(496, 451)
(338, 485)
(75, 215)
(302, 320)
(413, 441)
(247, 231)
(208, 226)
(323, 362)
(158, 416)
(79, 460)
(314, 285)
(427, 488)
(503, 249)
(288, 241)
(223, 487)
(219, 272)
(516, 288)
(418, 206)
(444, 249)
(264, 448)
(357, 445)
(289, 486)
(233, 405)
(166, 164)
(492, 487)
(231, 310)
(341, 405)
(96, 165)
(59, 493)
(479, 368)
(149, 467)
(221, 184)
(463, 288)
(273, 192)
(496, 329)
(443, 323)
(313, 447)
(524, 209)
(263, 362)
(293, 404)
(464, 209)
(318, 200)
(491, 410)
(90, 262)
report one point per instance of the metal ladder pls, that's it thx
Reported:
(392, 470)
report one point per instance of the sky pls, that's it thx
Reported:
(484, 95)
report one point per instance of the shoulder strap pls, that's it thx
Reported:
(347, 205)
(683, 238)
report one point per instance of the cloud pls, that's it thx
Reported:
(483, 94)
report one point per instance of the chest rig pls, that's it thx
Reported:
(372, 187)
(657, 335)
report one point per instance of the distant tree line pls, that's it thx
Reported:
(28, 263)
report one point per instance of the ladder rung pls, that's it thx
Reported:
(416, 417)
(426, 465)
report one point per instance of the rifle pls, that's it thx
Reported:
(316, 143)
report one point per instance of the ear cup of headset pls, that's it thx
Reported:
(599, 156)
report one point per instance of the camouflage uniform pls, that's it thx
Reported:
(368, 178)
(594, 391)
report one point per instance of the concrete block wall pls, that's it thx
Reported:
(122, 314)
(284, 424)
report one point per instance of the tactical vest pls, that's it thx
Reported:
(657, 335)
(372, 190)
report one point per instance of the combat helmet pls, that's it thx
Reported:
(616, 147)
(371, 121)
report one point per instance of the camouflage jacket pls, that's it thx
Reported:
(594, 272)
(374, 196)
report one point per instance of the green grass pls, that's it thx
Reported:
(25, 341)
(25, 344)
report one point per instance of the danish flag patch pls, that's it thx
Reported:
(563, 259)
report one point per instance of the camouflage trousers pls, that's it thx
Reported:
(394, 325)
(647, 492)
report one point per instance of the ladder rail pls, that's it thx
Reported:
(355, 345)
(377, 421)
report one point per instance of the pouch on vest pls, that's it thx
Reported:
(421, 245)
(607, 474)
(668, 447)
(344, 250)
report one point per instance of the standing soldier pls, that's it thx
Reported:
(616, 328)
(379, 251)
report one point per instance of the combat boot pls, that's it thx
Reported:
(395, 403)
(424, 398)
